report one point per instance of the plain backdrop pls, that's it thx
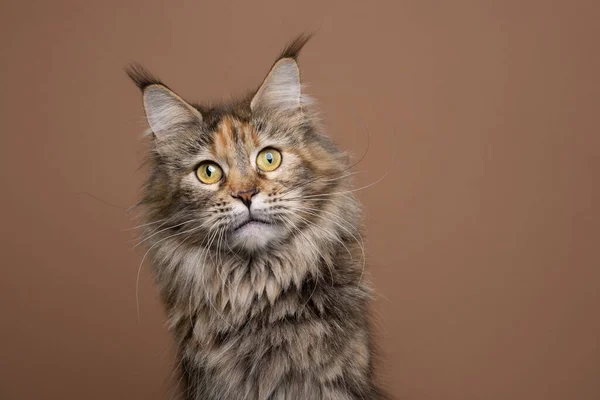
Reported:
(483, 237)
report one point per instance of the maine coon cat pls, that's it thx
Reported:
(255, 241)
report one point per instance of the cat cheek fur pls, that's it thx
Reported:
(283, 314)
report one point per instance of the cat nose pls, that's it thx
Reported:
(245, 196)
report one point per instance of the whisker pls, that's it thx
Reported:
(146, 224)
(315, 247)
(304, 209)
(220, 270)
(325, 195)
(283, 192)
(361, 244)
(162, 230)
(317, 271)
(357, 162)
(236, 254)
(204, 240)
(104, 201)
(171, 218)
(210, 300)
(366, 150)
(344, 192)
(137, 281)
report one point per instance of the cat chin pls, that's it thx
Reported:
(256, 236)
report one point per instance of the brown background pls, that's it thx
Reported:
(483, 237)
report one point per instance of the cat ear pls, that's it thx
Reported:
(165, 110)
(281, 89)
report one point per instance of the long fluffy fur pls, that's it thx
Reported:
(286, 321)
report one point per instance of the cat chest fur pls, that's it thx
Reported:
(259, 331)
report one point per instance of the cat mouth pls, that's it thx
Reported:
(249, 221)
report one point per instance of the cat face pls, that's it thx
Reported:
(249, 180)
(245, 172)
(245, 176)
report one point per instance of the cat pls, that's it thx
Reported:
(254, 237)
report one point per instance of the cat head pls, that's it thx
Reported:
(246, 175)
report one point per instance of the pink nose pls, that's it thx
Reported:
(245, 196)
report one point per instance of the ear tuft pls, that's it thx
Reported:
(293, 49)
(141, 76)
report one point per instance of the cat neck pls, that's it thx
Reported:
(226, 288)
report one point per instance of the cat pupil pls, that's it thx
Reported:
(269, 157)
(209, 170)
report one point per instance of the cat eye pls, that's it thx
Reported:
(208, 172)
(268, 159)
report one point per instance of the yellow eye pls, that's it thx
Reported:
(268, 159)
(208, 172)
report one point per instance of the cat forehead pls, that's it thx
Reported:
(232, 135)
